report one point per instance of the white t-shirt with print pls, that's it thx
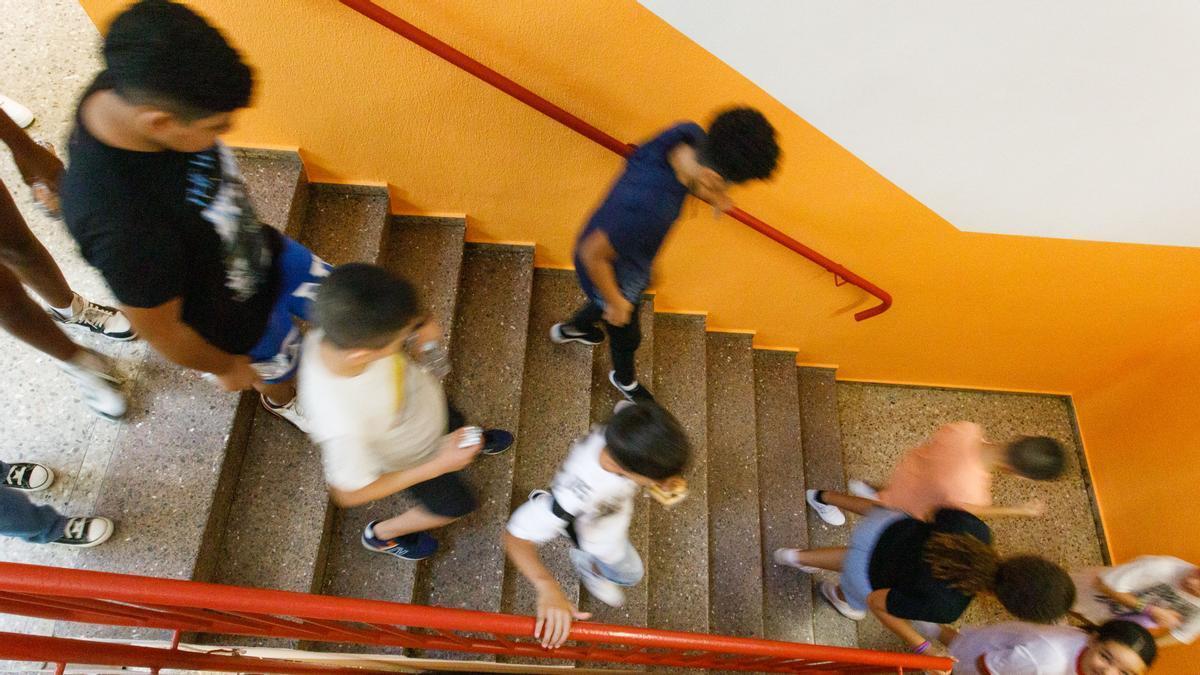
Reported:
(1016, 648)
(362, 429)
(1156, 579)
(600, 500)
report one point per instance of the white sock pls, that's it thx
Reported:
(72, 309)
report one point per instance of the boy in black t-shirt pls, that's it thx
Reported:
(616, 249)
(156, 202)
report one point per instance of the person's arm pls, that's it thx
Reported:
(450, 457)
(1164, 617)
(877, 603)
(39, 167)
(1030, 509)
(555, 613)
(164, 329)
(598, 256)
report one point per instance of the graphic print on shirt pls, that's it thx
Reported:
(583, 492)
(1160, 595)
(215, 185)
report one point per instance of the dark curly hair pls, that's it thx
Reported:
(163, 54)
(648, 440)
(1030, 588)
(741, 146)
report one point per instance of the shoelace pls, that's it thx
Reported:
(16, 475)
(94, 316)
(76, 528)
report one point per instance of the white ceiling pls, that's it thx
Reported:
(1059, 118)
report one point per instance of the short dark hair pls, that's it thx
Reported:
(163, 54)
(361, 306)
(1034, 589)
(1132, 635)
(740, 146)
(1037, 457)
(647, 440)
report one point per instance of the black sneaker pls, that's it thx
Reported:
(562, 333)
(86, 532)
(496, 441)
(632, 392)
(28, 476)
(414, 546)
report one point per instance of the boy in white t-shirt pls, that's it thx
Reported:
(591, 501)
(1159, 592)
(382, 420)
(1015, 648)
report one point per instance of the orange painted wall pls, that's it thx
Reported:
(971, 310)
(1143, 443)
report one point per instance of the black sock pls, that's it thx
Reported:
(819, 497)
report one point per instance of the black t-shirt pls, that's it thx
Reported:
(166, 225)
(897, 564)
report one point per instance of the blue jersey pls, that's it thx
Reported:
(639, 211)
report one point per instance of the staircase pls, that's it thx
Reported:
(208, 486)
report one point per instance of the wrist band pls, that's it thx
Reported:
(921, 648)
(1141, 605)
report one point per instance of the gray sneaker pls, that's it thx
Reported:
(100, 387)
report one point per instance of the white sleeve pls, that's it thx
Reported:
(534, 521)
(1142, 572)
(348, 463)
(1024, 660)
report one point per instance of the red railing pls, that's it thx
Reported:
(193, 607)
(369, 9)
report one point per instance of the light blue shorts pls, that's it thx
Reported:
(856, 567)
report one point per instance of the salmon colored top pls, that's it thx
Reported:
(948, 470)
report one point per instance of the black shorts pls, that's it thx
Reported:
(448, 495)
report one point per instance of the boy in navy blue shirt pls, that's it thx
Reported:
(616, 249)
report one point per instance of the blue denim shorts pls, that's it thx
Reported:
(277, 354)
(856, 566)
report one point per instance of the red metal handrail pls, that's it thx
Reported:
(194, 607)
(437, 47)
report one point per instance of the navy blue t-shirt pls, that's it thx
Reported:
(639, 211)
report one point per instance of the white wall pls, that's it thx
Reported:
(1058, 118)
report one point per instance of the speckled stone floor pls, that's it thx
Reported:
(879, 422)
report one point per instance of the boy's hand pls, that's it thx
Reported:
(618, 313)
(555, 614)
(240, 376)
(430, 331)
(453, 456)
(1166, 618)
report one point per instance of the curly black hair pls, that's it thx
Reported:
(161, 53)
(741, 146)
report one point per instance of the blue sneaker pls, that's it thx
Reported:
(415, 546)
(496, 441)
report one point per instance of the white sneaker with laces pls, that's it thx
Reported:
(97, 318)
(597, 586)
(830, 514)
(101, 389)
(18, 113)
(791, 558)
(860, 488)
(829, 591)
(290, 412)
(28, 476)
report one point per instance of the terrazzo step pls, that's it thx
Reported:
(787, 594)
(604, 397)
(279, 524)
(824, 469)
(178, 455)
(677, 561)
(429, 253)
(735, 545)
(488, 351)
(555, 407)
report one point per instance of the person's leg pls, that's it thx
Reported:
(28, 258)
(22, 519)
(441, 500)
(586, 318)
(853, 504)
(624, 342)
(25, 320)
(824, 558)
(416, 519)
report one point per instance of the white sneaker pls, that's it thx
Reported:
(28, 477)
(791, 558)
(101, 389)
(597, 586)
(86, 532)
(829, 591)
(860, 488)
(290, 412)
(830, 514)
(97, 318)
(20, 114)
